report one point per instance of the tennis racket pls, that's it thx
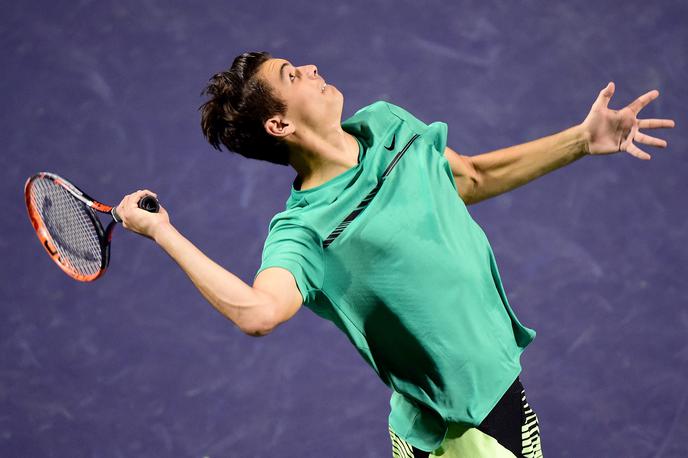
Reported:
(64, 219)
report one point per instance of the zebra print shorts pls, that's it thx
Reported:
(510, 430)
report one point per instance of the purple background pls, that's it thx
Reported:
(593, 256)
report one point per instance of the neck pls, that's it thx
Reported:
(318, 159)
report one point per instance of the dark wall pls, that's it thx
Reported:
(593, 256)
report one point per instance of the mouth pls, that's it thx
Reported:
(322, 88)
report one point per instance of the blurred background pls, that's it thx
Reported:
(593, 256)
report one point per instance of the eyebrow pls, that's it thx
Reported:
(285, 64)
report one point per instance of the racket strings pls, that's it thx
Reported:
(70, 224)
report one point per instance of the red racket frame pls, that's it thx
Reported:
(104, 235)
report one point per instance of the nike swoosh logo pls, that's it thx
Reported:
(391, 147)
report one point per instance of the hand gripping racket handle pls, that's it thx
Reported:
(148, 203)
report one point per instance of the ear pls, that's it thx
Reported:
(279, 127)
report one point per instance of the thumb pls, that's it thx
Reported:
(605, 95)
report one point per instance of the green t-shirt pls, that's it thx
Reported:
(388, 252)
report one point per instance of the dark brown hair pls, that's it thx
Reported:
(239, 104)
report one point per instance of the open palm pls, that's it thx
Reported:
(610, 131)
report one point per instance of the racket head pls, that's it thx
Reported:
(67, 227)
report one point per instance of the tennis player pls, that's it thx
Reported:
(376, 238)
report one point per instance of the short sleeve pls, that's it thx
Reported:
(434, 134)
(297, 248)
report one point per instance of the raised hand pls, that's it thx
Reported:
(610, 131)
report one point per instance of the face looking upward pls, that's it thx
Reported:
(312, 105)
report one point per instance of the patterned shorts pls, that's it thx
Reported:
(510, 430)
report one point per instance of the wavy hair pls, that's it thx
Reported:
(239, 104)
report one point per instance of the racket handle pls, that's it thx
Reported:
(148, 203)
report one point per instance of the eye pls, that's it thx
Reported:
(292, 77)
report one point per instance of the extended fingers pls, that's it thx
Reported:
(655, 123)
(649, 140)
(604, 96)
(642, 101)
(637, 152)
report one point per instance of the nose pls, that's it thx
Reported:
(311, 71)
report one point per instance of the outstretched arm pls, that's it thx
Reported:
(604, 131)
(500, 171)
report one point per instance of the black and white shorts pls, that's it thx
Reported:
(510, 430)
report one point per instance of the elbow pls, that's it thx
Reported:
(259, 325)
(255, 317)
(257, 331)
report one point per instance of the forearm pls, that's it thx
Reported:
(508, 168)
(247, 307)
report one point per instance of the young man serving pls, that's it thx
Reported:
(376, 238)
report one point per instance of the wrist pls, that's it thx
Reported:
(161, 232)
(584, 136)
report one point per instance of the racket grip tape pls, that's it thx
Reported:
(148, 203)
